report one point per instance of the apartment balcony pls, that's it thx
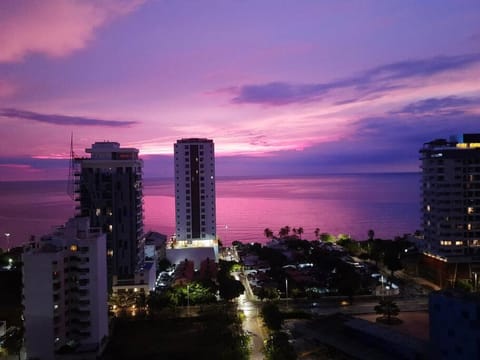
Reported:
(83, 293)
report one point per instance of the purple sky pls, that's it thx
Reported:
(283, 87)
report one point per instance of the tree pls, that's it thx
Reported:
(388, 309)
(277, 347)
(230, 288)
(317, 233)
(371, 234)
(391, 258)
(300, 231)
(377, 249)
(268, 233)
(348, 281)
(268, 292)
(284, 231)
(326, 237)
(272, 316)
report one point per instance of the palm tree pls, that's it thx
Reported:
(317, 233)
(284, 231)
(268, 233)
(387, 308)
(287, 229)
(294, 231)
(300, 231)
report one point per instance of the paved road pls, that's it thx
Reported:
(360, 306)
(253, 323)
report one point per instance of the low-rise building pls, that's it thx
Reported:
(65, 293)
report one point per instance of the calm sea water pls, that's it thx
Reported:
(348, 204)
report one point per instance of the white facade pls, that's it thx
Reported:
(110, 192)
(451, 198)
(65, 291)
(195, 191)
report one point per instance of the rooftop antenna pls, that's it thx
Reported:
(71, 171)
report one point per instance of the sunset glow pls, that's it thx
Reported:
(305, 87)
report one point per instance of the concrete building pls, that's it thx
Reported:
(195, 209)
(65, 293)
(454, 325)
(109, 191)
(195, 190)
(451, 207)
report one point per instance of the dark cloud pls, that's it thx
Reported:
(35, 163)
(374, 81)
(62, 119)
(452, 105)
(394, 133)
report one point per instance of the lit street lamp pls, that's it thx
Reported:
(286, 290)
(7, 236)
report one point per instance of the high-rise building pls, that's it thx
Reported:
(65, 292)
(195, 190)
(454, 322)
(451, 201)
(109, 191)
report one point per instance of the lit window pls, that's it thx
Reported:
(470, 210)
(55, 306)
(428, 208)
(98, 212)
(110, 252)
(110, 228)
(73, 248)
(458, 243)
(469, 226)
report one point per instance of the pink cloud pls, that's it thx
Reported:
(56, 27)
(6, 88)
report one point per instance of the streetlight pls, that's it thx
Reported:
(383, 290)
(475, 274)
(7, 236)
(188, 299)
(286, 290)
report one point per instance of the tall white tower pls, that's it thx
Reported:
(195, 190)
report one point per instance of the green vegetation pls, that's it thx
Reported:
(228, 287)
(389, 310)
(272, 317)
(212, 335)
(278, 347)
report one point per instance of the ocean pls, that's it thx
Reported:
(338, 204)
